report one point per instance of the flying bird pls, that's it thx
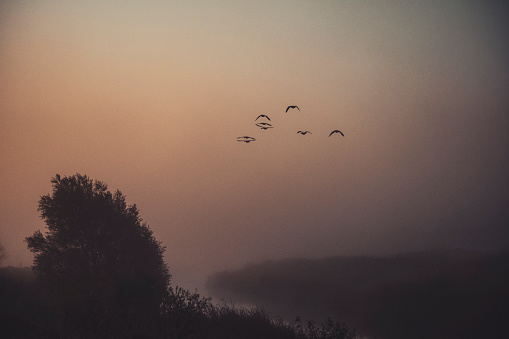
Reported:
(336, 131)
(291, 107)
(264, 125)
(262, 116)
(304, 132)
(245, 139)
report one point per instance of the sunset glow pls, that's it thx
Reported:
(150, 98)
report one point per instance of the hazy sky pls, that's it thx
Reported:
(150, 97)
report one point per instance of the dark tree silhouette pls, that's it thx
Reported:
(102, 266)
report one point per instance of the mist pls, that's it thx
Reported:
(151, 99)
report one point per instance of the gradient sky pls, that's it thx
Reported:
(150, 97)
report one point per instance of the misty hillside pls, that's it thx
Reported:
(439, 294)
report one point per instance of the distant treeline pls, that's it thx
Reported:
(440, 294)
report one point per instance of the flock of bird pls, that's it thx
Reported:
(266, 125)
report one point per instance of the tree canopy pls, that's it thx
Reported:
(100, 261)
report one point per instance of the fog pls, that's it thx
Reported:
(151, 98)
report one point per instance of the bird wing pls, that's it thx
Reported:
(336, 131)
(288, 108)
(297, 108)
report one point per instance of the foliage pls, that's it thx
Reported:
(182, 311)
(25, 312)
(100, 263)
(328, 330)
(187, 315)
(230, 322)
(99, 273)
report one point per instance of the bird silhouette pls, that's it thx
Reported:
(262, 116)
(264, 125)
(336, 131)
(245, 139)
(291, 107)
(304, 132)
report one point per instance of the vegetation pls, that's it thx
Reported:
(441, 294)
(26, 312)
(101, 266)
(99, 273)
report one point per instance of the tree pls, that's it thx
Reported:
(102, 266)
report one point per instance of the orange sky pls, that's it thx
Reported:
(150, 99)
